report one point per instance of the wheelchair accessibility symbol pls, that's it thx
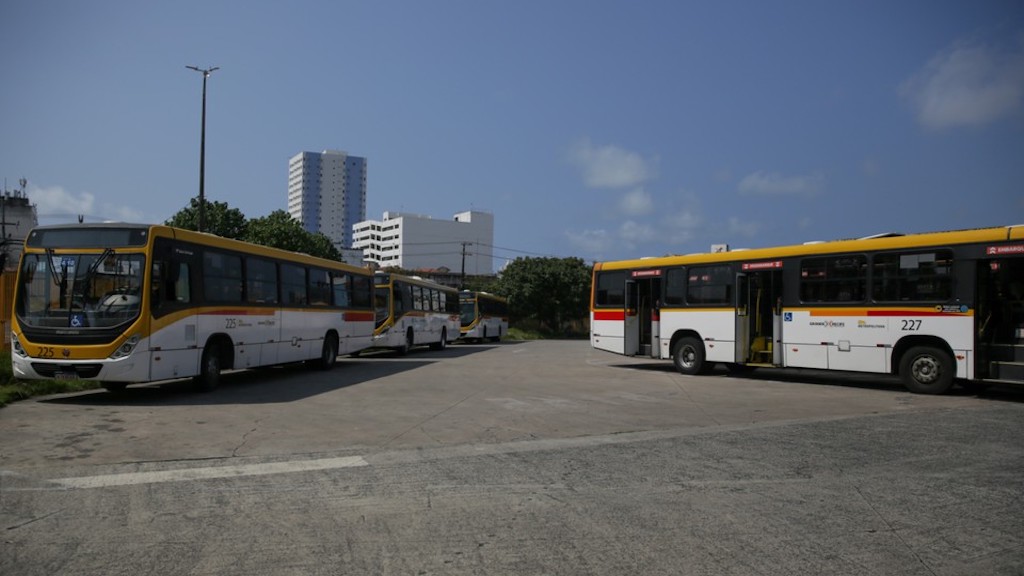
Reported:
(77, 320)
(787, 317)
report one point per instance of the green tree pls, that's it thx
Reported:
(221, 219)
(552, 291)
(279, 230)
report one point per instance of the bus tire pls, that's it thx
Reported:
(209, 369)
(329, 353)
(440, 345)
(927, 370)
(688, 356)
(407, 346)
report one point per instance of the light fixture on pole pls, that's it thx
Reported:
(202, 147)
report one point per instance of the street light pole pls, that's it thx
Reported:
(202, 147)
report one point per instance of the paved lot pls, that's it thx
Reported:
(518, 458)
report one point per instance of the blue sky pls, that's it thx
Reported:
(592, 128)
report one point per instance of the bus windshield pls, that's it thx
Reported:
(468, 308)
(381, 304)
(80, 290)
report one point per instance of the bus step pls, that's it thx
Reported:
(1006, 371)
(1003, 352)
(1013, 352)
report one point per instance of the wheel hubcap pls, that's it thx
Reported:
(926, 370)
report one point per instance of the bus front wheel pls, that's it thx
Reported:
(688, 356)
(927, 370)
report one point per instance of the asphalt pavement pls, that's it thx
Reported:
(542, 457)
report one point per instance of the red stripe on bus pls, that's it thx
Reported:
(619, 315)
(358, 316)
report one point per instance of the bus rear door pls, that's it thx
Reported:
(759, 314)
(642, 322)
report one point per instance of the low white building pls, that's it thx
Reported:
(413, 241)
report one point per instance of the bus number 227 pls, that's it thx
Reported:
(911, 325)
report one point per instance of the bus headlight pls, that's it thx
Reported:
(16, 346)
(126, 348)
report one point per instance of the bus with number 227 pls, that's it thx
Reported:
(126, 303)
(934, 308)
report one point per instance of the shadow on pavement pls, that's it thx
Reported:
(863, 380)
(277, 384)
(274, 385)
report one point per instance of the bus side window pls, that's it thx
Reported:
(178, 282)
(157, 288)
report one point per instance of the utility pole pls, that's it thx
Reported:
(462, 279)
(202, 147)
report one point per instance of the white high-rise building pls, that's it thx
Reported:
(327, 193)
(416, 242)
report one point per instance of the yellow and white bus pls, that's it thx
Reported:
(484, 316)
(932, 307)
(411, 311)
(129, 303)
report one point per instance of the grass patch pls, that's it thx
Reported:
(524, 334)
(12, 390)
(529, 329)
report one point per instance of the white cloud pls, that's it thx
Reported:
(737, 227)
(125, 214)
(610, 166)
(774, 184)
(590, 241)
(637, 203)
(967, 85)
(633, 233)
(682, 226)
(56, 201)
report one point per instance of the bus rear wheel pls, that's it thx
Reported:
(927, 370)
(407, 345)
(209, 369)
(688, 356)
(441, 344)
(329, 353)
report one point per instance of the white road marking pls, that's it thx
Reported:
(189, 474)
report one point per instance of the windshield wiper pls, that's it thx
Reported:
(53, 268)
(89, 272)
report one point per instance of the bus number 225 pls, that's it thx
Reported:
(911, 325)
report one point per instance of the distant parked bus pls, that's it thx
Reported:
(484, 316)
(931, 307)
(129, 303)
(411, 311)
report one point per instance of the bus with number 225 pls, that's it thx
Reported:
(933, 308)
(125, 303)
